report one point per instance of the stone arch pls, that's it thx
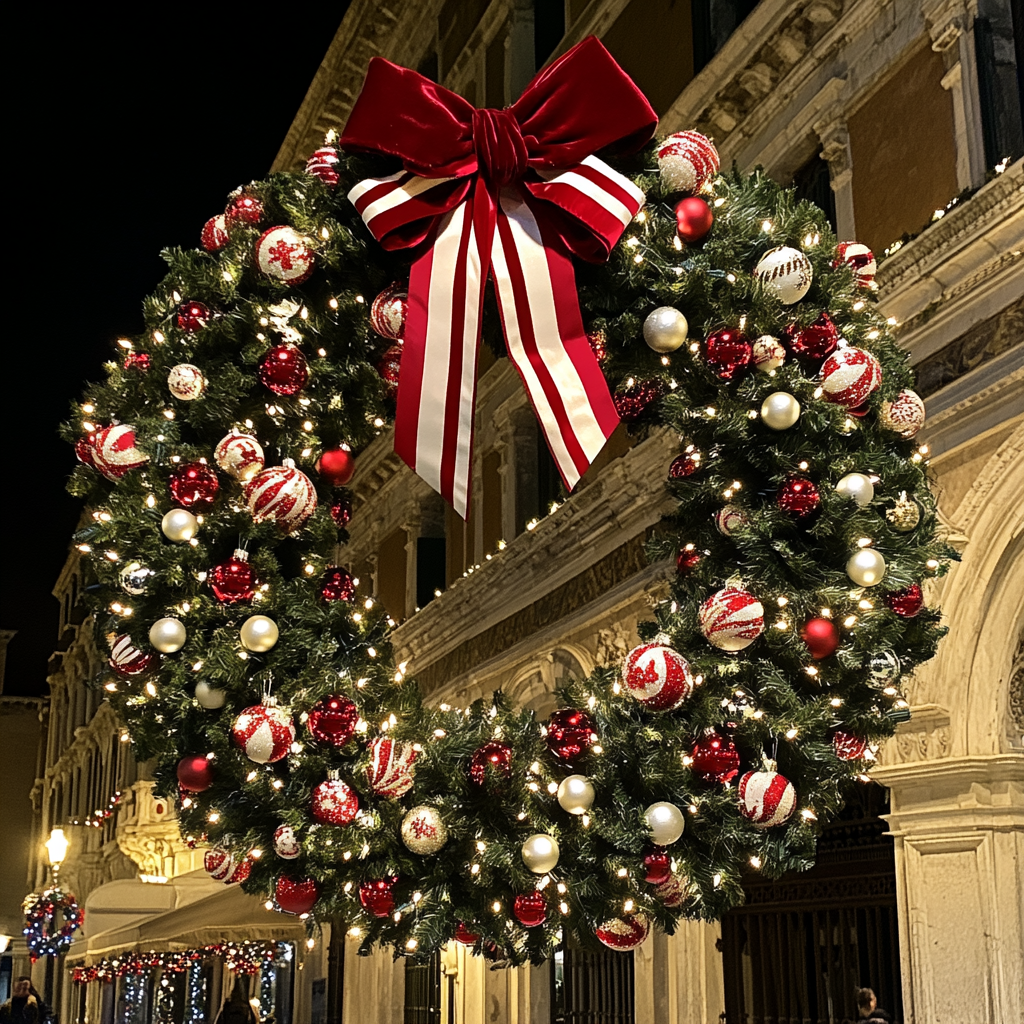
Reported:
(534, 686)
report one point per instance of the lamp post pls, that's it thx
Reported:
(57, 849)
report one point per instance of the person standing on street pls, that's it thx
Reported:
(23, 1007)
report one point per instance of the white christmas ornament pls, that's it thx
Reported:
(575, 794)
(540, 853)
(208, 696)
(423, 831)
(186, 382)
(265, 732)
(283, 254)
(786, 273)
(857, 486)
(179, 525)
(866, 568)
(769, 353)
(688, 161)
(665, 329)
(239, 455)
(286, 843)
(780, 410)
(258, 633)
(665, 821)
(766, 798)
(167, 635)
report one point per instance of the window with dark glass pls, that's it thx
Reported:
(591, 986)
(713, 22)
(423, 990)
(812, 183)
(998, 37)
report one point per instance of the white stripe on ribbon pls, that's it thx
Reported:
(592, 190)
(398, 195)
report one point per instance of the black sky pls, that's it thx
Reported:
(126, 131)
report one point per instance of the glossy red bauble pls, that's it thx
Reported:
(193, 316)
(530, 909)
(389, 366)
(728, 352)
(378, 896)
(127, 660)
(814, 342)
(333, 720)
(657, 866)
(296, 897)
(490, 766)
(389, 310)
(693, 219)
(336, 466)
(684, 465)
(687, 559)
(598, 342)
(465, 936)
(337, 584)
(847, 746)
(715, 758)
(633, 400)
(283, 370)
(798, 496)
(243, 209)
(195, 773)
(234, 580)
(341, 511)
(214, 235)
(570, 733)
(137, 361)
(906, 603)
(84, 450)
(821, 637)
(335, 802)
(193, 486)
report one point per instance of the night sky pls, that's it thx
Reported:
(127, 135)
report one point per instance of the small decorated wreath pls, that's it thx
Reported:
(42, 910)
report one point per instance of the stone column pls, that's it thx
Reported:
(518, 445)
(835, 151)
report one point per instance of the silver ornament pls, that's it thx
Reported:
(258, 633)
(665, 821)
(540, 853)
(575, 794)
(423, 831)
(168, 635)
(665, 329)
(780, 410)
(884, 667)
(133, 578)
(179, 525)
(208, 696)
(866, 568)
(857, 486)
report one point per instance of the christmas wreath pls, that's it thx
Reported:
(260, 675)
(51, 919)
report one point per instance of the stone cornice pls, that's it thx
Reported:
(89, 740)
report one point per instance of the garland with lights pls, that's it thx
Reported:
(262, 680)
(51, 919)
(248, 957)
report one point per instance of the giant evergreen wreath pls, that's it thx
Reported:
(489, 775)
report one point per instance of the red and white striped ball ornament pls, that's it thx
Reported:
(283, 254)
(847, 746)
(786, 273)
(126, 659)
(186, 382)
(282, 493)
(389, 310)
(860, 259)
(688, 162)
(391, 773)
(904, 415)
(731, 619)
(322, 165)
(239, 455)
(114, 452)
(766, 798)
(849, 376)
(265, 732)
(335, 802)
(223, 866)
(657, 677)
(729, 519)
(287, 844)
(624, 933)
(214, 235)
(673, 892)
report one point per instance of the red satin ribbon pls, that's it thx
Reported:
(517, 193)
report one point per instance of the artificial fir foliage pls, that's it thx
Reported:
(772, 699)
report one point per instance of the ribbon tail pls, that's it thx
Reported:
(540, 311)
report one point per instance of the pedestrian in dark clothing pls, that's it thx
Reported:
(237, 1010)
(24, 1006)
(868, 1006)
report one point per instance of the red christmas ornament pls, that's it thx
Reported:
(84, 450)
(490, 766)
(860, 412)
(687, 559)
(598, 342)
(195, 773)
(906, 603)
(633, 400)
(766, 798)
(731, 619)
(284, 255)
(282, 493)
(814, 342)
(624, 933)
(221, 865)
(126, 659)
(284, 370)
(798, 496)
(296, 897)
(243, 209)
(849, 376)
(137, 361)
(341, 511)
(114, 452)
(193, 316)
(332, 720)
(322, 165)
(693, 219)
(464, 935)
(860, 259)
(847, 746)
(728, 352)
(657, 866)
(389, 366)
(378, 897)
(530, 909)
(656, 676)
(335, 802)
(389, 310)
(684, 465)
(337, 584)
(234, 580)
(570, 733)
(265, 732)
(672, 893)
(214, 235)
(821, 637)
(715, 758)
(336, 466)
(390, 772)
(193, 486)
(240, 872)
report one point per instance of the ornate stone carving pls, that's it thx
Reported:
(926, 737)
(1017, 693)
(612, 646)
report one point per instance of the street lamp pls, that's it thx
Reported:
(57, 849)
(5, 942)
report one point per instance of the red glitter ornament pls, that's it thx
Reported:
(378, 896)
(193, 316)
(530, 909)
(282, 493)
(821, 637)
(284, 370)
(766, 798)
(848, 747)
(657, 677)
(598, 342)
(341, 511)
(693, 219)
(335, 802)
(84, 450)
(332, 720)
(336, 466)
(464, 935)
(126, 659)
(684, 465)
(814, 342)
(234, 580)
(195, 773)
(624, 933)
(633, 400)
(389, 366)
(728, 352)
(570, 733)
(798, 496)
(490, 766)
(337, 584)
(849, 376)
(296, 897)
(264, 731)
(906, 603)
(657, 866)
(389, 310)
(243, 209)
(214, 235)
(390, 772)
(114, 452)
(137, 361)
(715, 758)
(284, 255)
(687, 559)
(322, 165)
(193, 486)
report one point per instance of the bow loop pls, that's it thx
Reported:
(500, 149)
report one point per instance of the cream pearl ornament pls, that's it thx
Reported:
(780, 410)
(665, 329)
(179, 525)
(866, 568)
(540, 853)
(168, 635)
(857, 486)
(665, 821)
(258, 633)
(186, 382)
(209, 697)
(575, 794)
